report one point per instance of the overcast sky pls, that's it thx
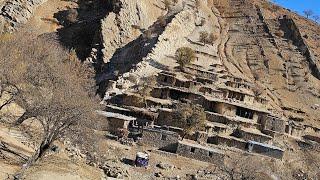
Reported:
(300, 5)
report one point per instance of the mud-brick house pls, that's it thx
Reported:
(265, 149)
(294, 129)
(237, 82)
(233, 109)
(115, 121)
(160, 139)
(166, 78)
(199, 152)
(272, 125)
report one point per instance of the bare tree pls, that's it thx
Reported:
(243, 167)
(190, 117)
(9, 79)
(316, 18)
(308, 13)
(51, 85)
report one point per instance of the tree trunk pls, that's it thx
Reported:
(44, 147)
(184, 135)
(145, 102)
(21, 119)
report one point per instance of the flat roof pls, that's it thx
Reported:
(117, 108)
(251, 107)
(116, 115)
(254, 131)
(160, 131)
(166, 109)
(209, 98)
(194, 144)
(238, 90)
(232, 138)
(215, 124)
(265, 145)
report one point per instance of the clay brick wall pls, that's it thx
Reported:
(163, 140)
(201, 154)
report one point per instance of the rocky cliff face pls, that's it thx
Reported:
(256, 41)
(14, 13)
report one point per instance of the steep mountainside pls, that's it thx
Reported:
(261, 43)
(254, 81)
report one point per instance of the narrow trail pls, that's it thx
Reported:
(224, 28)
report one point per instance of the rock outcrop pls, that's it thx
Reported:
(15, 13)
(118, 28)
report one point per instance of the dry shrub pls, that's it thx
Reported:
(162, 21)
(147, 34)
(203, 37)
(190, 117)
(279, 33)
(72, 16)
(212, 38)
(52, 85)
(185, 56)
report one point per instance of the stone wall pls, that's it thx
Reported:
(228, 141)
(252, 136)
(226, 109)
(161, 139)
(195, 151)
(266, 150)
(113, 124)
(165, 117)
(270, 123)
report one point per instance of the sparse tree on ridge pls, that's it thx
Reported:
(316, 18)
(308, 13)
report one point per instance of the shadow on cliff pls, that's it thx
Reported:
(80, 26)
(127, 57)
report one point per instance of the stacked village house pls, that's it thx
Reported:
(239, 114)
(236, 117)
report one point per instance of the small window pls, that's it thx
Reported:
(163, 137)
(193, 149)
(165, 79)
(210, 154)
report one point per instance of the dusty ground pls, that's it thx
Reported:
(58, 167)
(43, 21)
